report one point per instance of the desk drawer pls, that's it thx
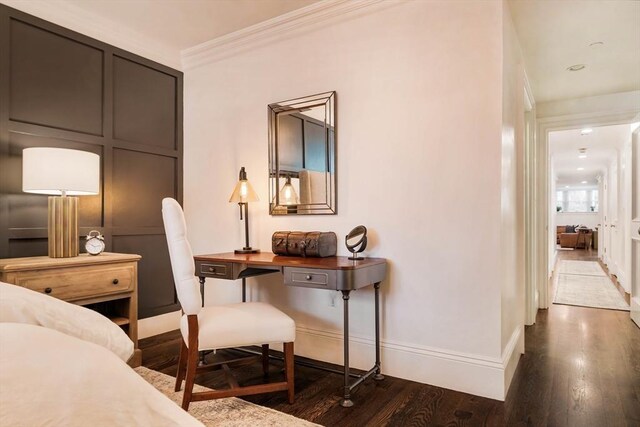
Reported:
(310, 278)
(75, 283)
(218, 270)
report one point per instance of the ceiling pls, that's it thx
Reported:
(180, 24)
(555, 35)
(601, 147)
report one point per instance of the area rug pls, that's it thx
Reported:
(589, 291)
(231, 412)
(587, 268)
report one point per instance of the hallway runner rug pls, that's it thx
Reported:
(225, 412)
(589, 291)
(587, 268)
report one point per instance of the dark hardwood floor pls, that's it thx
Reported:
(581, 368)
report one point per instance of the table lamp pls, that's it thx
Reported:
(242, 194)
(61, 173)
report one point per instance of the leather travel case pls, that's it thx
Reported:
(304, 243)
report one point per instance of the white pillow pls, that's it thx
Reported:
(51, 379)
(22, 305)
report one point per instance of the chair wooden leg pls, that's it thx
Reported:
(288, 370)
(265, 359)
(192, 361)
(182, 366)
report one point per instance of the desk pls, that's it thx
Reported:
(332, 273)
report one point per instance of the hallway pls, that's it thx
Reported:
(581, 367)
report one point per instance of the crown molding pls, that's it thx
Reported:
(299, 20)
(92, 25)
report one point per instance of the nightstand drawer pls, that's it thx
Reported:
(310, 278)
(80, 282)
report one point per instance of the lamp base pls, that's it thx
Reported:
(247, 251)
(63, 227)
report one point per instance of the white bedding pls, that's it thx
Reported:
(48, 378)
(21, 305)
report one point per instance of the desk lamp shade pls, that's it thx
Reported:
(243, 193)
(288, 195)
(59, 173)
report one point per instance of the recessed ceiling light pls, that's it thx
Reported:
(583, 182)
(566, 186)
(586, 131)
(576, 67)
(580, 169)
(582, 156)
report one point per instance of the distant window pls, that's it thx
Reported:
(577, 201)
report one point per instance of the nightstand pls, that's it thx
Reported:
(107, 283)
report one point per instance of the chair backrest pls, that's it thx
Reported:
(181, 256)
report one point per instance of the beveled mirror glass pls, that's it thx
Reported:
(302, 156)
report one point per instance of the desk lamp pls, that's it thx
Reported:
(62, 174)
(243, 193)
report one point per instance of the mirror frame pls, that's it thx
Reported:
(298, 105)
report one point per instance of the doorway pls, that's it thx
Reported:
(588, 205)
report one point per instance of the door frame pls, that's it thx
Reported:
(540, 186)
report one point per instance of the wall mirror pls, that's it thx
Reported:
(302, 156)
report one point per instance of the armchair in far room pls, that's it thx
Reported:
(568, 240)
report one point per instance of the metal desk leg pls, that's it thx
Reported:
(346, 401)
(378, 376)
(244, 289)
(202, 353)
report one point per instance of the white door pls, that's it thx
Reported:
(613, 247)
(634, 227)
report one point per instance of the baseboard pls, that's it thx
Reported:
(635, 310)
(511, 355)
(469, 373)
(157, 325)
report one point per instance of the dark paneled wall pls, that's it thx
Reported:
(59, 88)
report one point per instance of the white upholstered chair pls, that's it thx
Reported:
(217, 327)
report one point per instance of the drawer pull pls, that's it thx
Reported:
(115, 281)
(47, 290)
(308, 277)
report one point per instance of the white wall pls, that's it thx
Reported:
(589, 219)
(419, 104)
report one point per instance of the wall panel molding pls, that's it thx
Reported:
(78, 19)
(76, 76)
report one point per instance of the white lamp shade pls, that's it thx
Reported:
(53, 171)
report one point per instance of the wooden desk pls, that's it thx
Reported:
(332, 273)
(107, 283)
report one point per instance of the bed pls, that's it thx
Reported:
(65, 365)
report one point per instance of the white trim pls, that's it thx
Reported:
(531, 224)
(511, 355)
(471, 373)
(266, 32)
(93, 25)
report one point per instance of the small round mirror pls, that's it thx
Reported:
(356, 241)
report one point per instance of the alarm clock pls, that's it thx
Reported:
(95, 243)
